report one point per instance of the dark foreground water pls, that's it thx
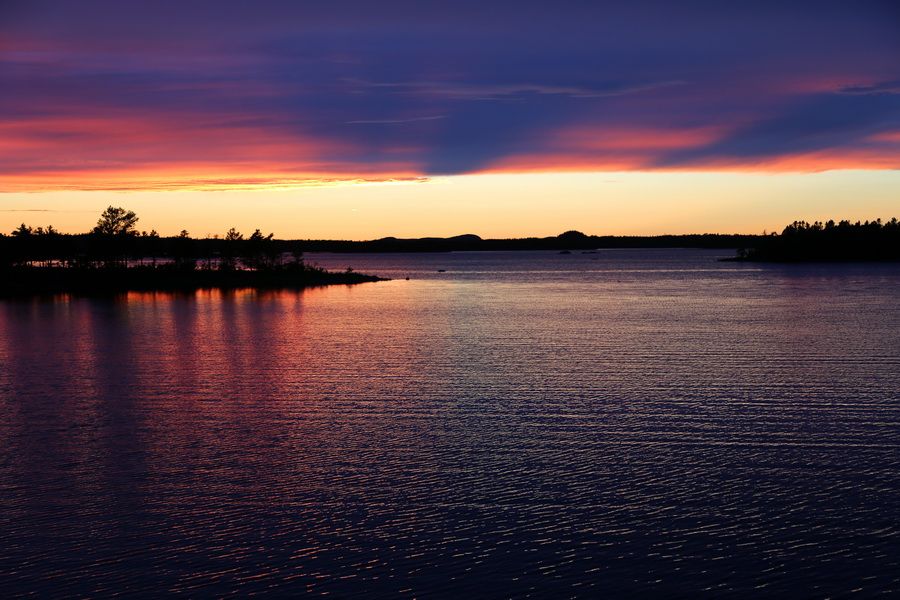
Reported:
(628, 423)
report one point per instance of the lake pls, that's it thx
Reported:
(625, 423)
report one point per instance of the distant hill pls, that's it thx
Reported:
(570, 240)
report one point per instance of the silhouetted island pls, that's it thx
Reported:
(114, 257)
(827, 242)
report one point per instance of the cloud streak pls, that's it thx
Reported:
(493, 91)
(882, 87)
(396, 121)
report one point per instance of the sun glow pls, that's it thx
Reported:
(490, 205)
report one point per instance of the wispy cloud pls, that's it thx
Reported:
(883, 87)
(210, 184)
(493, 91)
(395, 121)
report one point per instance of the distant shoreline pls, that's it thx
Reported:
(570, 240)
(114, 255)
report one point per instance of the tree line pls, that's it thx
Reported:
(829, 241)
(116, 242)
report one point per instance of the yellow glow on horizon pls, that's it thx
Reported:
(490, 205)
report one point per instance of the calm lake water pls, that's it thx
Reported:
(631, 423)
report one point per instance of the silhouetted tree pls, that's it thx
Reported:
(113, 235)
(260, 251)
(22, 231)
(116, 221)
(153, 247)
(184, 252)
(231, 249)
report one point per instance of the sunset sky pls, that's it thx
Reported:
(359, 119)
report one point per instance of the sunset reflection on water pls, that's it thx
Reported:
(634, 422)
